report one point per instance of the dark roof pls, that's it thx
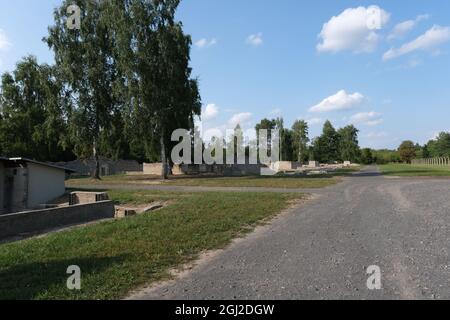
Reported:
(40, 163)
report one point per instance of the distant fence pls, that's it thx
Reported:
(441, 161)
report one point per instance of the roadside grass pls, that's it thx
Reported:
(281, 181)
(118, 256)
(406, 170)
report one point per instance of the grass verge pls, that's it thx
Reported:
(118, 256)
(406, 170)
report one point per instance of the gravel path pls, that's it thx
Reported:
(321, 250)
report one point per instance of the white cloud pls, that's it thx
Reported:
(4, 41)
(276, 112)
(404, 27)
(210, 112)
(375, 135)
(205, 43)
(255, 39)
(211, 133)
(354, 29)
(315, 121)
(240, 118)
(429, 40)
(339, 101)
(367, 118)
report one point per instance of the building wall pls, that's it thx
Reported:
(2, 187)
(44, 184)
(111, 167)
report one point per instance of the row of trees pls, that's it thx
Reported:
(332, 145)
(120, 85)
(408, 151)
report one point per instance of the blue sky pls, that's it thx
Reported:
(314, 60)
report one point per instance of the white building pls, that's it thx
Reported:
(27, 184)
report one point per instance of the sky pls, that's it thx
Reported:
(383, 66)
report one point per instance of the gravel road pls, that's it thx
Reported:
(321, 249)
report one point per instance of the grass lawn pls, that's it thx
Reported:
(287, 182)
(118, 256)
(405, 170)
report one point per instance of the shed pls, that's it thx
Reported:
(28, 184)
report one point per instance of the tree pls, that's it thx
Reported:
(269, 125)
(154, 55)
(348, 144)
(31, 113)
(442, 146)
(85, 63)
(326, 147)
(300, 140)
(366, 156)
(407, 151)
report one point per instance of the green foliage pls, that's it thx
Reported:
(407, 151)
(300, 140)
(385, 156)
(366, 156)
(326, 147)
(31, 113)
(348, 144)
(439, 147)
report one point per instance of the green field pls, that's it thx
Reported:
(406, 170)
(120, 255)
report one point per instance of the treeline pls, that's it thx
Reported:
(408, 151)
(331, 146)
(120, 85)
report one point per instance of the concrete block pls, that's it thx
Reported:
(314, 164)
(79, 197)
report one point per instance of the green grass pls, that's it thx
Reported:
(287, 182)
(118, 256)
(405, 170)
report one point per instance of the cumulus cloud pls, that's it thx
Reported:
(240, 118)
(205, 43)
(404, 27)
(210, 112)
(367, 118)
(211, 133)
(429, 40)
(255, 39)
(315, 121)
(4, 41)
(340, 101)
(354, 29)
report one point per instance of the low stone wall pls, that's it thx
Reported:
(153, 169)
(16, 224)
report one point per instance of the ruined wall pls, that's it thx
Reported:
(2, 187)
(110, 167)
(38, 221)
(152, 169)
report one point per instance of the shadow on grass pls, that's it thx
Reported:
(43, 280)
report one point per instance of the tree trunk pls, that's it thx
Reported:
(96, 172)
(164, 173)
